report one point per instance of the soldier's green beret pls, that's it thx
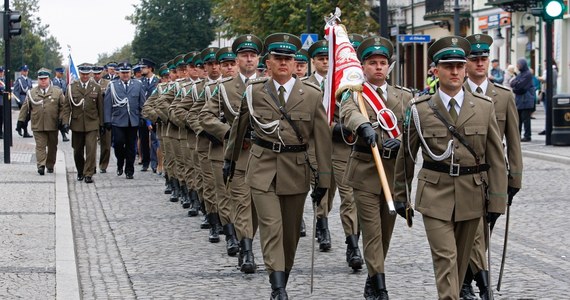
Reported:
(179, 60)
(449, 49)
(375, 45)
(171, 65)
(44, 73)
(319, 48)
(302, 56)
(282, 44)
(355, 40)
(209, 54)
(225, 54)
(480, 44)
(85, 68)
(189, 57)
(247, 42)
(163, 71)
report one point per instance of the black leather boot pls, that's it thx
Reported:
(26, 134)
(175, 190)
(278, 283)
(168, 185)
(379, 286)
(369, 290)
(303, 231)
(232, 246)
(318, 229)
(467, 292)
(353, 256)
(194, 204)
(185, 197)
(325, 242)
(214, 236)
(246, 259)
(482, 280)
(205, 223)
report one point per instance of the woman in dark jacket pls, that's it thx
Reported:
(524, 97)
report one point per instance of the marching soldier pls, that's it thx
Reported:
(319, 53)
(463, 173)
(84, 108)
(218, 115)
(382, 124)
(212, 66)
(104, 134)
(301, 63)
(44, 106)
(21, 87)
(124, 100)
(355, 40)
(211, 118)
(285, 114)
(507, 118)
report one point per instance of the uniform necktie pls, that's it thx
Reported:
(282, 96)
(246, 81)
(126, 83)
(84, 85)
(381, 94)
(323, 84)
(452, 111)
(479, 90)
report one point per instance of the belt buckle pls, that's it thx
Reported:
(454, 170)
(386, 153)
(276, 147)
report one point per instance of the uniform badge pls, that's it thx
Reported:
(248, 37)
(286, 38)
(454, 41)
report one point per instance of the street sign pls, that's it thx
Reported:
(414, 38)
(307, 39)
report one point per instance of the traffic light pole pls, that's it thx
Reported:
(7, 85)
(549, 80)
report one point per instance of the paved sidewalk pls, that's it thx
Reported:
(132, 243)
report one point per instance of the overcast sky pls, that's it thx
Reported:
(90, 27)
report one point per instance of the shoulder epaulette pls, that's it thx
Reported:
(306, 82)
(482, 96)
(226, 79)
(212, 83)
(420, 99)
(304, 78)
(259, 80)
(185, 84)
(403, 88)
(502, 87)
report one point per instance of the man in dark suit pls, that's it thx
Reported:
(123, 104)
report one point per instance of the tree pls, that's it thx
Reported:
(35, 47)
(166, 28)
(265, 17)
(125, 53)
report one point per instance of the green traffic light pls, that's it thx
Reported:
(553, 9)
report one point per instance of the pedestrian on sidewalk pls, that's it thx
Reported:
(524, 97)
(44, 107)
(84, 104)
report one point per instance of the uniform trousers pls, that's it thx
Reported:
(450, 243)
(377, 225)
(478, 259)
(144, 136)
(226, 207)
(196, 171)
(168, 156)
(124, 143)
(245, 214)
(208, 184)
(347, 210)
(279, 218)
(105, 149)
(187, 163)
(46, 140)
(84, 146)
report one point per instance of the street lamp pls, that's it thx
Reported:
(522, 38)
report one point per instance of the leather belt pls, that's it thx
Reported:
(278, 147)
(384, 152)
(455, 169)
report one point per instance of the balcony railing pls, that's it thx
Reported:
(514, 5)
(443, 9)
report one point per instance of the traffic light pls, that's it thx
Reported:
(553, 9)
(14, 23)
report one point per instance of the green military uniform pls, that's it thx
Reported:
(105, 136)
(361, 173)
(218, 115)
(84, 108)
(452, 182)
(507, 119)
(278, 172)
(45, 110)
(208, 55)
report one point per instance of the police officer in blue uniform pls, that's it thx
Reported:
(124, 100)
(59, 82)
(21, 87)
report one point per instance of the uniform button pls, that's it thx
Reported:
(456, 146)
(282, 118)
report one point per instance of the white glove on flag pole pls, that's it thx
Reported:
(345, 70)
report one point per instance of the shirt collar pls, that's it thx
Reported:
(288, 87)
(458, 98)
(319, 78)
(243, 78)
(483, 85)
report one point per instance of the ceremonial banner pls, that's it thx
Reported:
(72, 74)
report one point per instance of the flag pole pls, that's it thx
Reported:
(378, 161)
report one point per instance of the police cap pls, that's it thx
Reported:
(375, 45)
(449, 49)
(247, 42)
(282, 44)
